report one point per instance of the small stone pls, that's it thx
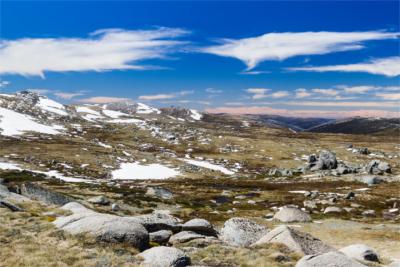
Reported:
(350, 195)
(115, 207)
(360, 252)
(99, 200)
(369, 213)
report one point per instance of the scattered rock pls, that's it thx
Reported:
(5, 194)
(161, 237)
(326, 161)
(370, 180)
(310, 204)
(289, 214)
(297, 241)
(165, 257)
(199, 226)
(159, 192)
(350, 195)
(333, 259)
(158, 221)
(99, 200)
(242, 232)
(360, 252)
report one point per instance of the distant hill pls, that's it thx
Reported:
(379, 126)
(298, 124)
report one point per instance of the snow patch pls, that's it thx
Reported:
(207, 165)
(14, 123)
(135, 171)
(51, 106)
(195, 115)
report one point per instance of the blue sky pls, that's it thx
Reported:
(288, 58)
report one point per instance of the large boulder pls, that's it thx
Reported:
(105, 227)
(326, 161)
(369, 179)
(290, 214)
(99, 200)
(5, 194)
(329, 259)
(360, 252)
(164, 257)
(41, 193)
(297, 241)
(199, 226)
(242, 232)
(159, 192)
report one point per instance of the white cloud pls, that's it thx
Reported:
(343, 104)
(213, 91)
(104, 100)
(279, 94)
(4, 83)
(157, 97)
(384, 66)
(68, 96)
(280, 46)
(165, 96)
(302, 93)
(389, 97)
(258, 93)
(328, 92)
(357, 89)
(103, 50)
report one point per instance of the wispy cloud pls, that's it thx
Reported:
(165, 96)
(103, 50)
(390, 97)
(258, 93)
(328, 92)
(302, 93)
(342, 104)
(103, 100)
(280, 46)
(384, 66)
(40, 91)
(279, 94)
(68, 96)
(357, 89)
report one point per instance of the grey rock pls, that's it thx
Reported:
(242, 232)
(329, 259)
(11, 196)
(296, 241)
(164, 257)
(184, 236)
(158, 221)
(360, 252)
(289, 214)
(326, 161)
(378, 167)
(332, 210)
(161, 237)
(99, 200)
(350, 195)
(363, 151)
(310, 204)
(159, 192)
(199, 226)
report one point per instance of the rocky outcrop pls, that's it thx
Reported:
(334, 259)
(297, 241)
(164, 257)
(184, 236)
(158, 221)
(325, 161)
(159, 192)
(242, 232)
(290, 214)
(160, 237)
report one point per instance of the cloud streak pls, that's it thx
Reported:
(103, 50)
(384, 66)
(104, 100)
(280, 46)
